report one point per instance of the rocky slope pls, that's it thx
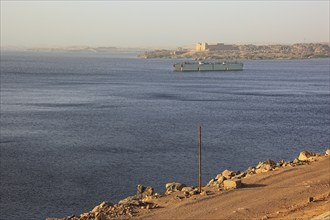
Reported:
(293, 189)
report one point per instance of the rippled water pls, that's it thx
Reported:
(78, 129)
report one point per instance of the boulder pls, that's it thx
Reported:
(306, 156)
(105, 204)
(232, 184)
(151, 205)
(327, 152)
(131, 200)
(216, 181)
(203, 193)
(260, 171)
(211, 183)
(99, 207)
(96, 209)
(218, 176)
(187, 189)
(173, 187)
(149, 191)
(85, 215)
(143, 194)
(100, 216)
(228, 174)
(280, 163)
(296, 160)
(140, 189)
(267, 162)
(194, 192)
(250, 171)
(259, 165)
(145, 191)
(239, 175)
(221, 179)
(265, 166)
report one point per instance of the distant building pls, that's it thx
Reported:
(201, 46)
(216, 47)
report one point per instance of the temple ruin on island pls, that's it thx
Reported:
(215, 47)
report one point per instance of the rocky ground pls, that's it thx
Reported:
(248, 52)
(298, 189)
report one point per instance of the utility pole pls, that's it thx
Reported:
(200, 158)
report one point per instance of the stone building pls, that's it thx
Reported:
(215, 47)
(201, 46)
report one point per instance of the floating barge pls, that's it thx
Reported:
(201, 66)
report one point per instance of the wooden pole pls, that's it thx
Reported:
(200, 158)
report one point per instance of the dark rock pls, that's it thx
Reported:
(149, 191)
(186, 193)
(140, 189)
(280, 163)
(238, 176)
(144, 191)
(310, 199)
(194, 192)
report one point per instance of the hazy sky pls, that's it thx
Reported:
(161, 23)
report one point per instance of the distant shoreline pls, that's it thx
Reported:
(75, 50)
(241, 52)
(247, 52)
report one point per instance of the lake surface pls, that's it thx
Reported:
(78, 128)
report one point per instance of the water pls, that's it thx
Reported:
(79, 128)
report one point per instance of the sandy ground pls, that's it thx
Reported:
(283, 194)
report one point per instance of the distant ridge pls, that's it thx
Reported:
(101, 49)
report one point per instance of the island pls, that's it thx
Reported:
(221, 51)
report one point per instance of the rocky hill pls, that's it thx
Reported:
(251, 52)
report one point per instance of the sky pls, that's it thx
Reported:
(56, 23)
